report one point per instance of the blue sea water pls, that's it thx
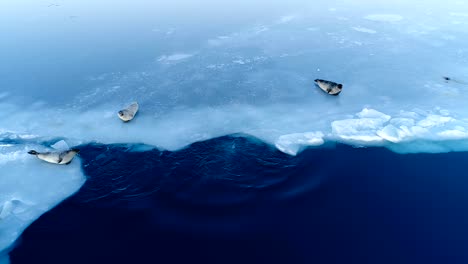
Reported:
(234, 156)
(236, 199)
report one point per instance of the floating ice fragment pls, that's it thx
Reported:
(371, 113)
(435, 120)
(292, 143)
(453, 134)
(61, 145)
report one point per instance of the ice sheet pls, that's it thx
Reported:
(196, 78)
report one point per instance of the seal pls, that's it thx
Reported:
(451, 80)
(61, 157)
(329, 87)
(128, 113)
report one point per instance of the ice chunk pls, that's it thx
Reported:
(402, 121)
(61, 145)
(9, 207)
(399, 134)
(453, 134)
(435, 120)
(362, 130)
(433, 132)
(292, 143)
(371, 113)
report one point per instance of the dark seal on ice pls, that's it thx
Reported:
(452, 80)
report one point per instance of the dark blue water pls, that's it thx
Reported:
(237, 200)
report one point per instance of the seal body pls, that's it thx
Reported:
(451, 80)
(128, 113)
(329, 87)
(62, 157)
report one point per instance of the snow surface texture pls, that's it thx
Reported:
(252, 75)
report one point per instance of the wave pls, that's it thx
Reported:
(222, 171)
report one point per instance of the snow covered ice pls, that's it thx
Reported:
(29, 188)
(253, 76)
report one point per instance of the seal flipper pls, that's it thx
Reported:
(62, 156)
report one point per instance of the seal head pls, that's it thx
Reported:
(33, 152)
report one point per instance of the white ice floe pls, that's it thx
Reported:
(292, 143)
(431, 133)
(361, 130)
